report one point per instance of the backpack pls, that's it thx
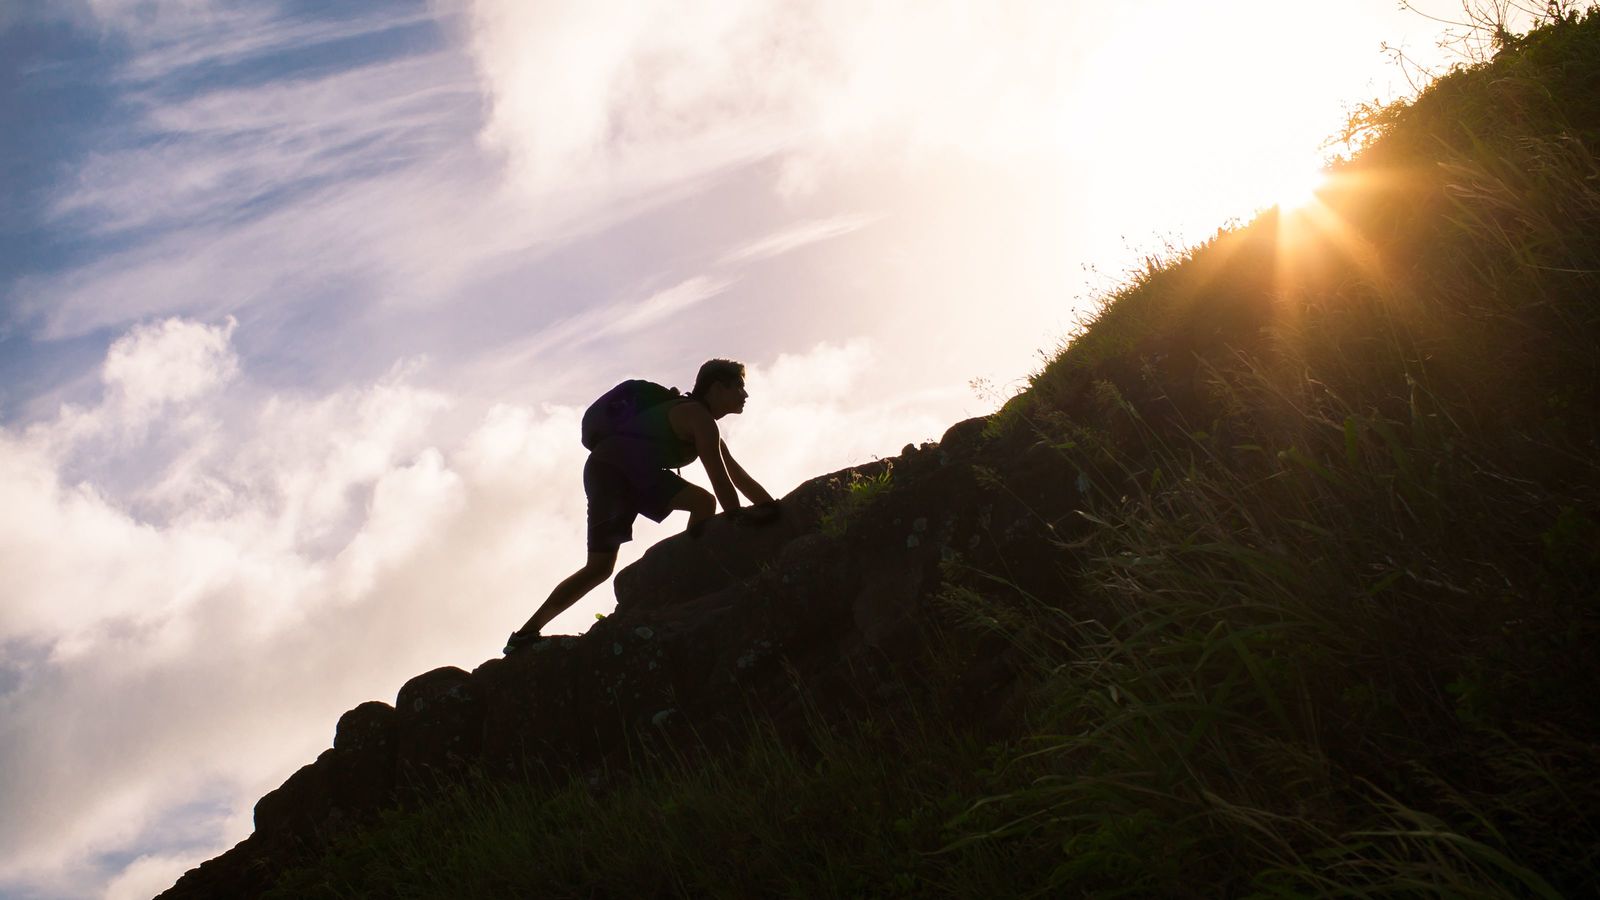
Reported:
(611, 413)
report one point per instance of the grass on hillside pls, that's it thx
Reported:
(860, 814)
(1343, 561)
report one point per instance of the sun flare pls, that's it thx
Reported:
(1295, 188)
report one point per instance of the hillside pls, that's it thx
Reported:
(1282, 578)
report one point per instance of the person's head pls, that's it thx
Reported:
(720, 386)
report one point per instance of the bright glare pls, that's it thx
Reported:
(1296, 188)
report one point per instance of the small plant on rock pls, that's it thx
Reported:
(858, 494)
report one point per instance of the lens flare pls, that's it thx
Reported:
(1296, 189)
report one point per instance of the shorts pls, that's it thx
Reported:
(618, 492)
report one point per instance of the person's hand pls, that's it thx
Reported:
(759, 514)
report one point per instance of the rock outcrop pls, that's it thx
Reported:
(787, 619)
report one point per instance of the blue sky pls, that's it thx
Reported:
(299, 304)
(52, 104)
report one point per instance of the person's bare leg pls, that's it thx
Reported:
(571, 590)
(699, 502)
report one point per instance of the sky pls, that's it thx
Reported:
(300, 304)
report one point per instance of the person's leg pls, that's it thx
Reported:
(700, 504)
(571, 589)
(611, 517)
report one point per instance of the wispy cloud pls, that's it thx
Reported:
(175, 35)
(267, 190)
(662, 304)
(229, 154)
(798, 236)
(617, 319)
(352, 188)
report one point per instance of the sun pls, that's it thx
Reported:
(1296, 188)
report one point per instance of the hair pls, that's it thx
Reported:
(716, 371)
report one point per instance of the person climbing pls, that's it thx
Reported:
(629, 472)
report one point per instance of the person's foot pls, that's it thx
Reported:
(519, 641)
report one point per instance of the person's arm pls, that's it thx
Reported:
(742, 480)
(708, 445)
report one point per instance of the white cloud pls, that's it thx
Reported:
(826, 373)
(51, 589)
(638, 93)
(635, 94)
(147, 876)
(174, 361)
(199, 651)
(830, 395)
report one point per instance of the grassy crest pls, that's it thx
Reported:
(1330, 616)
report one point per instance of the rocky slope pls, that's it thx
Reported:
(783, 621)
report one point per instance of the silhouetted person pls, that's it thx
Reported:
(629, 473)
